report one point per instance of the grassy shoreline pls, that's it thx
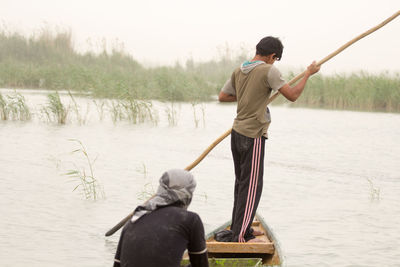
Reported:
(356, 91)
(49, 61)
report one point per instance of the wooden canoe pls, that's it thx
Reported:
(268, 251)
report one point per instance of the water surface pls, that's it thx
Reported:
(321, 168)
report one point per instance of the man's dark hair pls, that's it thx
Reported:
(269, 45)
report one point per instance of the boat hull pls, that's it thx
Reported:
(268, 249)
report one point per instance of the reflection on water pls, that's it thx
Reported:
(320, 168)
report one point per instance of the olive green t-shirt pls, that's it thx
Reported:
(252, 89)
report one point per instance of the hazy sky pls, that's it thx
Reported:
(159, 32)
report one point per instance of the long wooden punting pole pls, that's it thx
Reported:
(292, 81)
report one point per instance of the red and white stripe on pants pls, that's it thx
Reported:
(251, 195)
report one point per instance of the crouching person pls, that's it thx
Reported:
(162, 229)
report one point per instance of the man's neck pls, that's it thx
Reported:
(258, 58)
(267, 59)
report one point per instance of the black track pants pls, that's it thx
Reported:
(248, 158)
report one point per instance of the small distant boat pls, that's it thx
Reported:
(264, 253)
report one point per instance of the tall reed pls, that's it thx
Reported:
(116, 111)
(147, 192)
(148, 189)
(133, 110)
(375, 192)
(14, 107)
(100, 107)
(89, 185)
(3, 108)
(138, 111)
(81, 118)
(196, 120)
(195, 115)
(172, 114)
(55, 110)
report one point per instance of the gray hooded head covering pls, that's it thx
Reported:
(175, 186)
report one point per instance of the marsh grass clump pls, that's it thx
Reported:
(14, 107)
(196, 116)
(374, 191)
(100, 108)
(147, 192)
(138, 111)
(3, 108)
(133, 110)
(172, 114)
(116, 110)
(89, 185)
(148, 189)
(55, 110)
(143, 170)
(82, 119)
(196, 120)
(204, 196)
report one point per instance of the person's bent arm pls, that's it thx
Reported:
(117, 258)
(198, 259)
(197, 247)
(228, 92)
(222, 97)
(291, 93)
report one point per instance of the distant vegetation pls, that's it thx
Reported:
(49, 61)
(356, 91)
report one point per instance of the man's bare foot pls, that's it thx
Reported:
(257, 232)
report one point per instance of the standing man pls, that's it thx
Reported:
(251, 85)
(162, 229)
